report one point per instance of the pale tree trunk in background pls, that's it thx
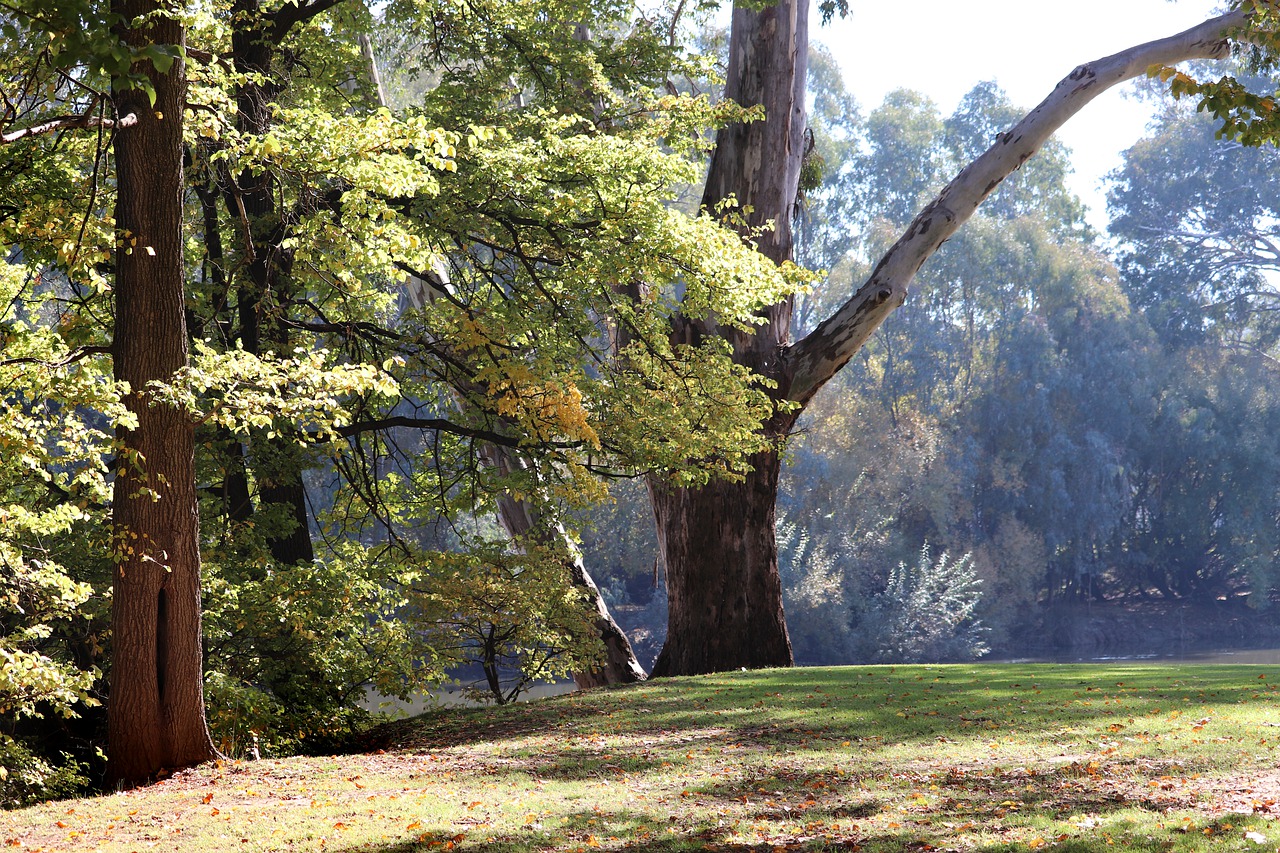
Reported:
(156, 717)
(521, 519)
(725, 599)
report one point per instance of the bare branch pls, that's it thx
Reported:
(439, 424)
(75, 355)
(80, 122)
(291, 14)
(812, 361)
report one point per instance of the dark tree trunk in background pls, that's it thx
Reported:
(266, 291)
(724, 592)
(156, 717)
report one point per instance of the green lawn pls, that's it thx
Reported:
(966, 757)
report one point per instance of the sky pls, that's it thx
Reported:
(944, 47)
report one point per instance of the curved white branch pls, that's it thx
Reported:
(812, 361)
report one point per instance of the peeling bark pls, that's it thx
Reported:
(724, 592)
(719, 541)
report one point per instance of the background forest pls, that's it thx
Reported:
(430, 303)
(1056, 419)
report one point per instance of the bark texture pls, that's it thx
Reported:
(725, 599)
(156, 717)
(723, 588)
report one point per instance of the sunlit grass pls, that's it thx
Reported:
(965, 757)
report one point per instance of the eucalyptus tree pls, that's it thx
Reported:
(718, 541)
(1195, 213)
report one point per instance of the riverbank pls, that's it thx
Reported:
(1143, 629)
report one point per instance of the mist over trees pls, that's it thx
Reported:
(428, 298)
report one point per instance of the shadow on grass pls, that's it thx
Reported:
(847, 722)
(591, 831)
(574, 765)
(818, 708)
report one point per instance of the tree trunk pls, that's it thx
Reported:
(724, 594)
(521, 521)
(156, 717)
(725, 600)
(266, 290)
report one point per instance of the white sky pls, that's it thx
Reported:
(944, 47)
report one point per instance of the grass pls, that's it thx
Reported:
(967, 757)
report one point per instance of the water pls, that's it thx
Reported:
(453, 697)
(1206, 655)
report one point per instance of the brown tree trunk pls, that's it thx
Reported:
(266, 290)
(156, 717)
(723, 588)
(708, 563)
(725, 599)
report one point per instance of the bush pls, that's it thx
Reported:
(925, 613)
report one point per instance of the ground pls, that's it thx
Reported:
(1073, 758)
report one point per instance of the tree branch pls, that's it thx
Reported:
(291, 14)
(441, 424)
(80, 122)
(812, 361)
(78, 354)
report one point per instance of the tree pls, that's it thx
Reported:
(718, 542)
(548, 208)
(156, 710)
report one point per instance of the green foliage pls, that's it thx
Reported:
(517, 616)
(345, 465)
(926, 612)
(26, 777)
